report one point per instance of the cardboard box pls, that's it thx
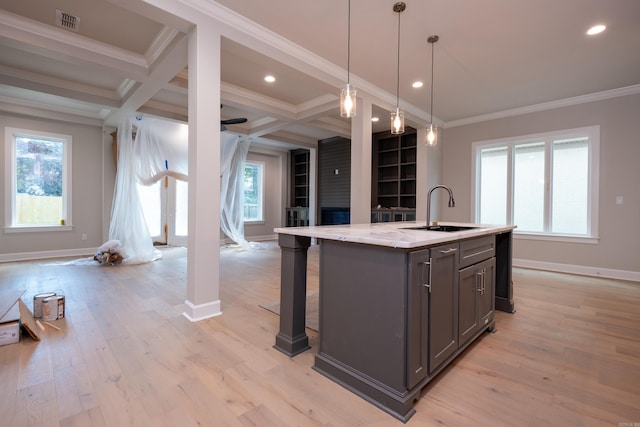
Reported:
(10, 326)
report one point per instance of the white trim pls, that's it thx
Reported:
(10, 134)
(38, 229)
(593, 135)
(261, 193)
(519, 235)
(265, 238)
(199, 312)
(64, 253)
(566, 102)
(29, 32)
(15, 106)
(581, 270)
(244, 31)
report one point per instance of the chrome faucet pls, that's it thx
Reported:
(452, 202)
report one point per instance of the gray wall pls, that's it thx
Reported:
(618, 249)
(87, 186)
(619, 246)
(274, 192)
(93, 183)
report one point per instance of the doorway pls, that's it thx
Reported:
(165, 207)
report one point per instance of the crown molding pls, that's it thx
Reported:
(251, 34)
(567, 102)
(27, 33)
(19, 107)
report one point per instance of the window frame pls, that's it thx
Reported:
(10, 136)
(262, 168)
(590, 132)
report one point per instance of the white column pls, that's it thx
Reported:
(422, 161)
(361, 163)
(203, 262)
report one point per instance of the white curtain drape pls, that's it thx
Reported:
(161, 149)
(233, 158)
(128, 225)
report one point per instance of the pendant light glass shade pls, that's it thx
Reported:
(397, 122)
(348, 93)
(348, 101)
(432, 135)
(397, 117)
(432, 130)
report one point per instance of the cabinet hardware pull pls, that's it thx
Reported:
(449, 251)
(428, 284)
(477, 253)
(479, 282)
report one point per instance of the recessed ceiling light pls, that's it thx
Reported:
(596, 29)
(269, 79)
(374, 119)
(417, 84)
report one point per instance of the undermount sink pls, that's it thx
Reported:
(445, 228)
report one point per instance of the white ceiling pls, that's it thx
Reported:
(494, 57)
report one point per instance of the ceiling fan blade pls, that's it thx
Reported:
(233, 121)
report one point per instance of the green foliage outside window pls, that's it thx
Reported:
(39, 167)
(251, 184)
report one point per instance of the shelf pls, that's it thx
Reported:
(394, 170)
(299, 185)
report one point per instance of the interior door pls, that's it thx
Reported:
(165, 205)
(151, 199)
(177, 213)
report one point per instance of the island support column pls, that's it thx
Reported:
(292, 338)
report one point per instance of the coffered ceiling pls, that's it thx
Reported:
(494, 57)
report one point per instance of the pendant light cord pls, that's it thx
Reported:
(349, 44)
(398, 69)
(433, 46)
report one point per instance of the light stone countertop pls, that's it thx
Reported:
(393, 234)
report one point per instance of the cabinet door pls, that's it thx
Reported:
(418, 317)
(486, 298)
(443, 304)
(476, 284)
(469, 285)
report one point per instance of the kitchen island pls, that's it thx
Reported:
(396, 303)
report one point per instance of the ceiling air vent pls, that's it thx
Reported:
(66, 21)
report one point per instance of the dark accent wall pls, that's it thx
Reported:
(334, 190)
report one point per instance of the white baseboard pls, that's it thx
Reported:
(29, 256)
(202, 311)
(266, 238)
(89, 252)
(582, 270)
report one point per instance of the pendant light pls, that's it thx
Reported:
(348, 94)
(432, 130)
(397, 117)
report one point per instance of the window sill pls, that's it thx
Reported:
(38, 228)
(556, 238)
(260, 222)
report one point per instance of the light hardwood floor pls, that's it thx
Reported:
(569, 356)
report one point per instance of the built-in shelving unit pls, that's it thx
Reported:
(300, 178)
(298, 213)
(393, 175)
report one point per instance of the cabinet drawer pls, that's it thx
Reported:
(476, 250)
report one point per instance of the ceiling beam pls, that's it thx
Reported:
(170, 63)
(55, 86)
(41, 39)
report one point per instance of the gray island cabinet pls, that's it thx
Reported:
(396, 305)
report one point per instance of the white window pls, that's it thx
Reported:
(545, 184)
(253, 192)
(37, 181)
